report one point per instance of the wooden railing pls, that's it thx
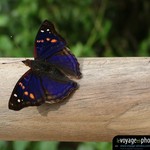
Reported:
(113, 99)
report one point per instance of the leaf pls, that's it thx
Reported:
(104, 145)
(87, 146)
(5, 45)
(44, 145)
(48, 145)
(3, 20)
(20, 145)
(3, 145)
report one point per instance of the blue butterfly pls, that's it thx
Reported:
(47, 79)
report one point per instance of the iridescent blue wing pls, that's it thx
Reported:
(33, 90)
(27, 92)
(66, 62)
(50, 46)
(57, 87)
(47, 41)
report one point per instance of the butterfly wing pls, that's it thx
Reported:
(47, 41)
(66, 62)
(33, 90)
(50, 46)
(27, 92)
(57, 86)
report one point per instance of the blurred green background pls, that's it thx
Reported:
(92, 28)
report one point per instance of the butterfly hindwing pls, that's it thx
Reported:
(57, 87)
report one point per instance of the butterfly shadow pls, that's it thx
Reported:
(46, 107)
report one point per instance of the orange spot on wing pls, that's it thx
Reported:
(42, 41)
(53, 40)
(23, 87)
(26, 93)
(32, 96)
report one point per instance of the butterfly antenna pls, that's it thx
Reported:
(12, 62)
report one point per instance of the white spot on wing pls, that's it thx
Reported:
(42, 30)
(19, 100)
(15, 95)
(47, 30)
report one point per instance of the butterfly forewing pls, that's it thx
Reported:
(27, 92)
(47, 41)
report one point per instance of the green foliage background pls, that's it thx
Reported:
(91, 27)
(100, 28)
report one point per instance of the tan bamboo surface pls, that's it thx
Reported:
(113, 99)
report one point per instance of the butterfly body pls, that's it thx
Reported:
(40, 67)
(47, 80)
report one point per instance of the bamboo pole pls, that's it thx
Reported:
(113, 98)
